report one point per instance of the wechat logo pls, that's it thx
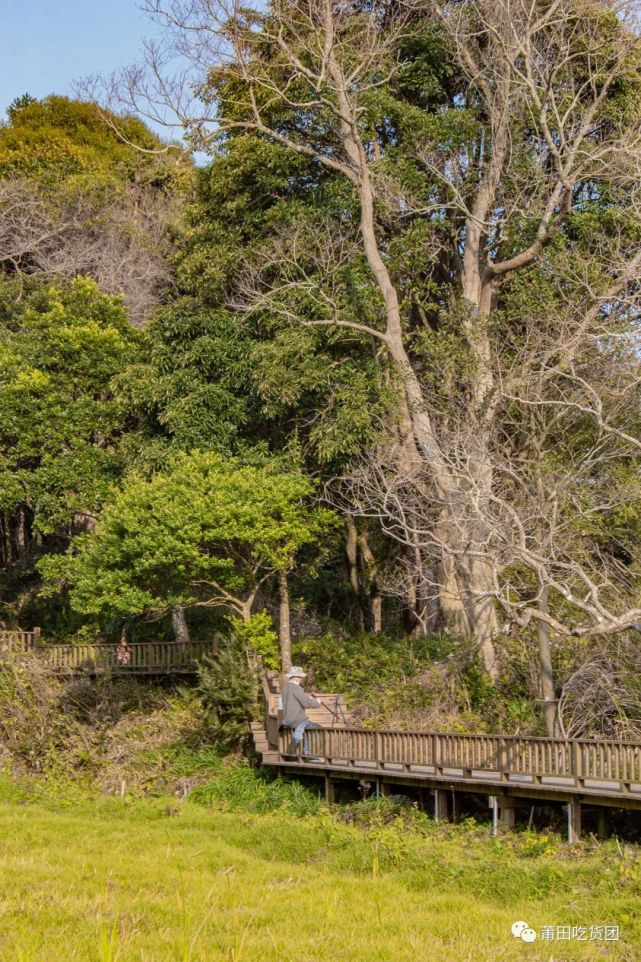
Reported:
(521, 930)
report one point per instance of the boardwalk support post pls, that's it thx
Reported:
(503, 812)
(494, 805)
(507, 811)
(574, 820)
(330, 791)
(441, 805)
(602, 824)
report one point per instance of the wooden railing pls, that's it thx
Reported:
(16, 641)
(579, 764)
(140, 657)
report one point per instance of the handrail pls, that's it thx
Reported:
(568, 763)
(24, 639)
(474, 735)
(130, 644)
(135, 657)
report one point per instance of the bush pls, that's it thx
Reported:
(32, 728)
(427, 684)
(227, 688)
(393, 682)
(116, 735)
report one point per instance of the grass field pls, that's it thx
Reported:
(154, 881)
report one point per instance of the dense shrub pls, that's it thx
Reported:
(432, 683)
(227, 689)
(117, 735)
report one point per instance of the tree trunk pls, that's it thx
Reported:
(179, 624)
(284, 626)
(467, 606)
(362, 568)
(21, 535)
(425, 444)
(451, 601)
(411, 619)
(370, 585)
(483, 614)
(422, 607)
(351, 557)
(8, 546)
(547, 673)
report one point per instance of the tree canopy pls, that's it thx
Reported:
(207, 532)
(59, 420)
(83, 191)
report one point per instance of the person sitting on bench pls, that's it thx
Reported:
(295, 700)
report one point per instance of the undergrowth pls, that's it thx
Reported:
(426, 684)
(238, 786)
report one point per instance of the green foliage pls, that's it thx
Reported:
(227, 688)
(193, 382)
(206, 532)
(432, 684)
(257, 635)
(60, 425)
(106, 735)
(31, 727)
(59, 137)
(202, 521)
(240, 787)
(382, 678)
(59, 420)
(322, 387)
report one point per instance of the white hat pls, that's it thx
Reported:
(295, 672)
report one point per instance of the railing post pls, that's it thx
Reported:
(504, 759)
(436, 754)
(377, 749)
(576, 762)
(573, 756)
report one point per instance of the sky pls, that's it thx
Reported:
(46, 45)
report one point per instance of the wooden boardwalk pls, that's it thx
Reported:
(141, 657)
(509, 771)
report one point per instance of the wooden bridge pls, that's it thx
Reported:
(137, 658)
(440, 769)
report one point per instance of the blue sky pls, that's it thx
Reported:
(45, 45)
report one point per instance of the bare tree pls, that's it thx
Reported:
(121, 242)
(543, 84)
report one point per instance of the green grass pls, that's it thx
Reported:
(154, 881)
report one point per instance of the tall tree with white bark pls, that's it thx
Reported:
(489, 155)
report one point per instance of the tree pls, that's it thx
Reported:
(60, 424)
(77, 198)
(415, 110)
(212, 378)
(191, 386)
(208, 532)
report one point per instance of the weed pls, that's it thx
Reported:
(238, 786)
(109, 950)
